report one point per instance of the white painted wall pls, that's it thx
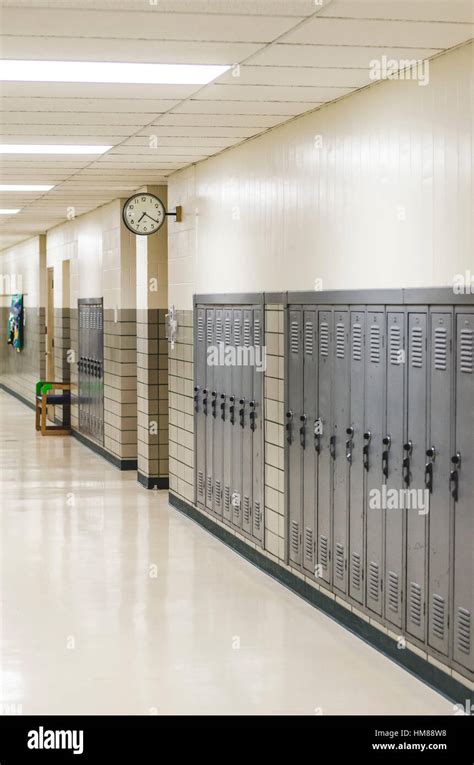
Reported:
(20, 271)
(372, 191)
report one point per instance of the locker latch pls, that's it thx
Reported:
(232, 409)
(204, 401)
(223, 407)
(332, 447)
(365, 450)
(349, 444)
(242, 412)
(318, 431)
(387, 442)
(196, 398)
(454, 475)
(289, 426)
(303, 431)
(252, 415)
(214, 403)
(431, 454)
(408, 448)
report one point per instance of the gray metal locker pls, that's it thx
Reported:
(437, 467)
(324, 506)
(210, 403)
(200, 418)
(292, 428)
(227, 414)
(392, 460)
(375, 427)
(239, 424)
(247, 400)
(91, 368)
(341, 422)
(354, 449)
(218, 424)
(414, 473)
(256, 425)
(462, 487)
(309, 438)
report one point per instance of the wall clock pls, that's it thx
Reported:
(144, 214)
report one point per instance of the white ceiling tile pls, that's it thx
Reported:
(338, 56)
(102, 91)
(243, 107)
(204, 132)
(414, 10)
(135, 120)
(329, 31)
(77, 105)
(270, 93)
(254, 7)
(289, 76)
(219, 120)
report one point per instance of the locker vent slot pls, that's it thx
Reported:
(417, 347)
(415, 603)
(324, 338)
(247, 339)
(200, 332)
(209, 488)
(441, 348)
(355, 571)
(393, 591)
(257, 331)
(200, 483)
(218, 492)
(308, 338)
(375, 344)
(209, 330)
(340, 340)
(237, 329)
(357, 342)
(218, 331)
(246, 510)
(295, 537)
(467, 350)
(257, 515)
(374, 580)
(227, 332)
(308, 544)
(464, 630)
(339, 561)
(294, 337)
(323, 551)
(395, 345)
(227, 498)
(438, 616)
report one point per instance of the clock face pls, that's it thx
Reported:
(144, 214)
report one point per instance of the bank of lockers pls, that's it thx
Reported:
(228, 404)
(381, 398)
(91, 369)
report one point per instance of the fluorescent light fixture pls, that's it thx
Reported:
(50, 148)
(104, 71)
(5, 211)
(25, 187)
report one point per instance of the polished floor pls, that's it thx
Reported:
(111, 602)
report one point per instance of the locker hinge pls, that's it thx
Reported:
(447, 622)
(424, 609)
(381, 585)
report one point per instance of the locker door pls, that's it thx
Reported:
(311, 439)
(81, 367)
(462, 485)
(341, 422)
(373, 446)
(227, 414)
(438, 460)
(247, 397)
(293, 424)
(200, 418)
(326, 443)
(356, 499)
(209, 405)
(92, 379)
(218, 424)
(257, 427)
(238, 428)
(393, 457)
(100, 373)
(414, 472)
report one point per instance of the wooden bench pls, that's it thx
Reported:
(45, 397)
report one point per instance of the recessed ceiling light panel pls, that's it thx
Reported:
(6, 211)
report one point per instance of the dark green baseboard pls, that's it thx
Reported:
(412, 662)
(150, 482)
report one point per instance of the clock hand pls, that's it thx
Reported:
(149, 216)
(142, 216)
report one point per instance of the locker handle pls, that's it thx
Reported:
(242, 412)
(317, 434)
(332, 447)
(252, 415)
(406, 469)
(365, 456)
(349, 444)
(454, 479)
(214, 403)
(232, 409)
(223, 407)
(429, 477)
(289, 427)
(196, 398)
(204, 402)
(431, 453)
(385, 463)
(408, 447)
(303, 431)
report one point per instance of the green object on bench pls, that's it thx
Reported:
(39, 385)
(46, 387)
